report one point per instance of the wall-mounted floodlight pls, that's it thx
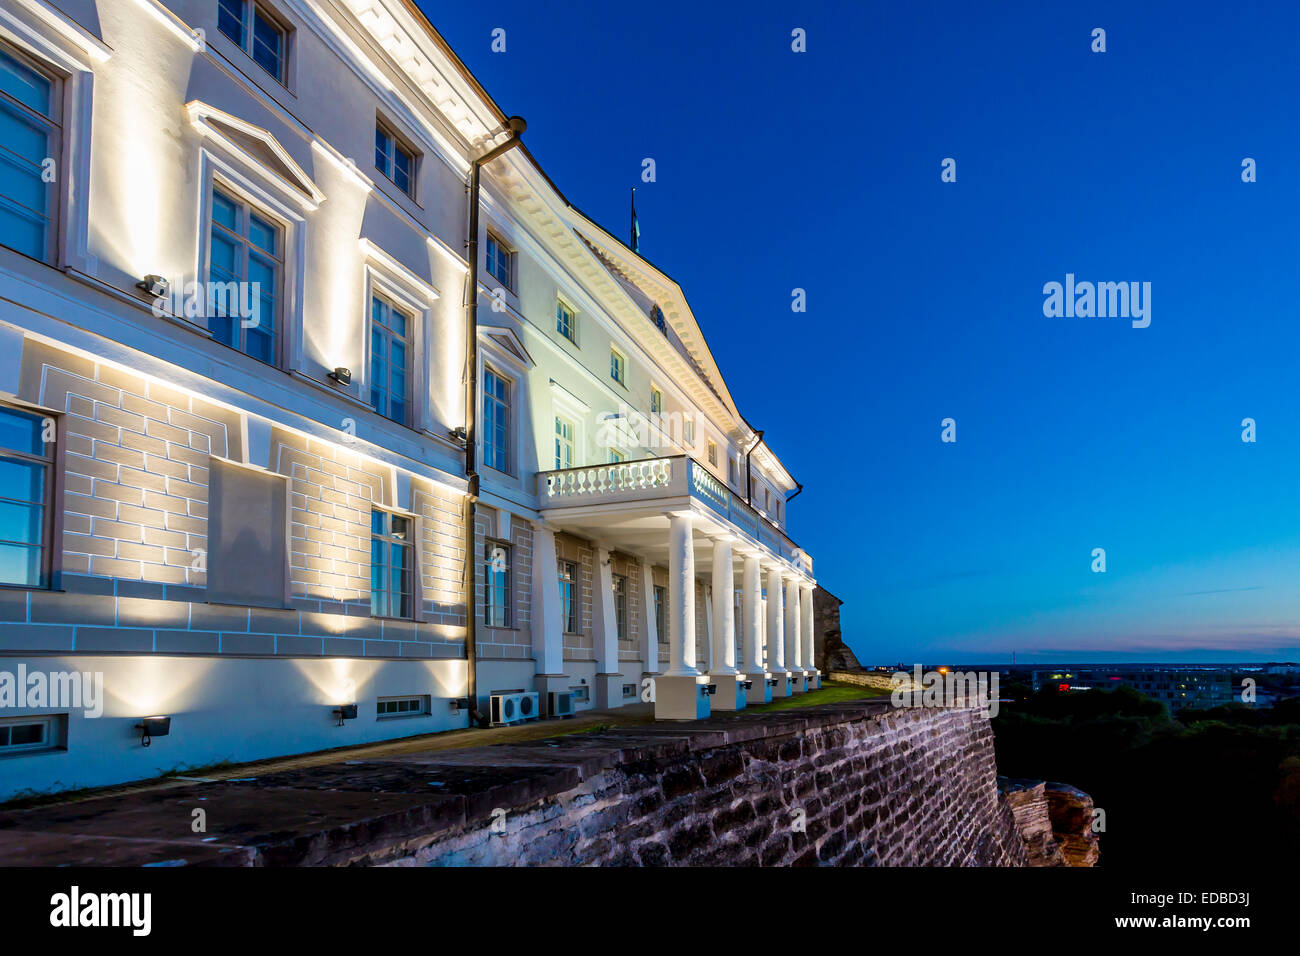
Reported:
(154, 285)
(341, 375)
(345, 712)
(151, 727)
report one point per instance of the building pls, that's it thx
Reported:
(234, 471)
(1200, 688)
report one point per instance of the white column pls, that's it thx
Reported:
(548, 613)
(724, 609)
(775, 629)
(793, 646)
(649, 620)
(704, 661)
(753, 616)
(681, 597)
(604, 621)
(806, 610)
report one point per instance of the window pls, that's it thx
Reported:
(629, 691)
(569, 597)
(252, 27)
(713, 452)
(500, 260)
(416, 706)
(391, 565)
(27, 734)
(26, 485)
(563, 443)
(245, 266)
(30, 138)
(496, 421)
(566, 321)
(656, 402)
(616, 456)
(581, 693)
(390, 349)
(395, 160)
(661, 613)
(732, 475)
(620, 606)
(617, 366)
(688, 432)
(496, 585)
(767, 499)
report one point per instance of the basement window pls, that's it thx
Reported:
(390, 707)
(629, 691)
(581, 693)
(22, 735)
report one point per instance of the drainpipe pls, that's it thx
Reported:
(797, 493)
(749, 472)
(516, 125)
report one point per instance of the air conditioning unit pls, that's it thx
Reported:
(513, 707)
(560, 703)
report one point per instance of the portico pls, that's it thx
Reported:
(671, 513)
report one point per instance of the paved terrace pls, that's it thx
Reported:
(368, 805)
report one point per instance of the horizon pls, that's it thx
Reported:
(822, 171)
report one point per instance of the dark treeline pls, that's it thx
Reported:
(1207, 786)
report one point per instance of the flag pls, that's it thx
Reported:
(636, 226)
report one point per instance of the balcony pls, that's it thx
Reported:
(630, 487)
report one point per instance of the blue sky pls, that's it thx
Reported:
(821, 170)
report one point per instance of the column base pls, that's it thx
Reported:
(731, 694)
(814, 679)
(544, 684)
(607, 689)
(760, 688)
(801, 681)
(784, 685)
(681, 697)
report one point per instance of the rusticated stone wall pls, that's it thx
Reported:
(849, 785)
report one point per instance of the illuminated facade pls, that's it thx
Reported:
(232, 389)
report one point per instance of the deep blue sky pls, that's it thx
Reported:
(821, 170)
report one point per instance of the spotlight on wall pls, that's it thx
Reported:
(459, 703)
(341, 375)
(458, 434)
(155, 286)
(346, 712)
(151, 727)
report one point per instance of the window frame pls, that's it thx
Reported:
(397, 141)
(507, 405)
(389, 539)
(422, 701)
(55, 145)
(408, 341)
(247, 25)
(495, 241)
(561, 306)
(711, 452)
(661, 613)
(572, 443)
(52, 739)
(619, 596)
(51, 557)
(618, 364)
(656, 400)
(280, 345)
(570, 599)
(490, 587)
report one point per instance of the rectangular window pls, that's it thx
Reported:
(661, 614)
(30, 734)
(569, 585)
(615, 456)
(566, 321)
(629, 691)
(245, 266)
(617, 367)
(656, 402)
(253, 28)
(688, 432)
(391, 565)
(496, 421)
(713, 452)
(499, 261)
(563, 443)
(390, 349)
(416, 706)
(496, 585)
(767, 499)
(395, 159)
(620, 606)
(732, 475)
(30, 138)
(26, 486)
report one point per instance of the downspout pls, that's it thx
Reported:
(516, 126)
(749, 472)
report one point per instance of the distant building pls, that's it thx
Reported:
(1203, 688)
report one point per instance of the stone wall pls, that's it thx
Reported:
(848, 785)
(1054, 820)
(830, 651)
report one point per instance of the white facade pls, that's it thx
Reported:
(245, 523)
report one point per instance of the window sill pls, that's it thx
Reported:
(385, 719)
